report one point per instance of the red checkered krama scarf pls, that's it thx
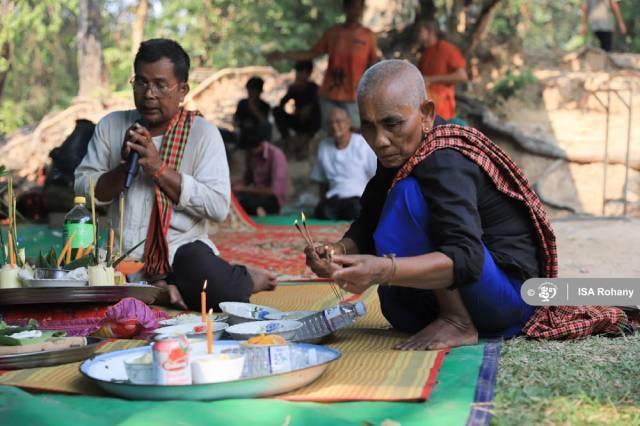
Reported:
(156, 250)
(551, 322)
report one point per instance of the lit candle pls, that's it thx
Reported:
(203, 302)
(210, 332)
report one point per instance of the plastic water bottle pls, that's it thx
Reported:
(325, 322)
(78, 223)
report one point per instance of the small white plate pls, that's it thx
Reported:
(242, 312)
(191, 318)
(291, 315)
(246, 330)
(190, 329)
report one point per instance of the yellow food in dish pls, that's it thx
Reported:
(271, 339)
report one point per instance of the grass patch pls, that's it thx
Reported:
(592, 381)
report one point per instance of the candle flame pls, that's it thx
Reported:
(204, 287)
(303, 217)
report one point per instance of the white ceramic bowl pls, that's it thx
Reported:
(214, 368)
(291, 315)
(243, 312)
(191, 330)
(246, 330)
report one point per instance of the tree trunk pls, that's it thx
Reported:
(137, 28)
(5, 54)
(481, 27)
(92, 71)
(5, 48)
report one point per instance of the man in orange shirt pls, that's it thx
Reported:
(351, 48)
(442, 66)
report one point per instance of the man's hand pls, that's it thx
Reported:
(139, 140)
(623, 27)
(319, 259)
(359, 272)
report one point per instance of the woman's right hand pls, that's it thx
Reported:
(319, 258)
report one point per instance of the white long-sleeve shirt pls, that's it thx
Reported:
(205, 191)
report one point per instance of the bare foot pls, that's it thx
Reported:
(263, 280)
(440, 334)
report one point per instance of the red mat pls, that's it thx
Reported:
(276, 248)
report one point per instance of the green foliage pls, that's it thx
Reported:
(540, 23)
(218, 33)
(42, 65)
(512, 83)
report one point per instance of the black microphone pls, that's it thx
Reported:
(132, 165)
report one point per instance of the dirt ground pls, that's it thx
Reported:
(598, 248)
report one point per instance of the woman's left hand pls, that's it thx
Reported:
(360, 272)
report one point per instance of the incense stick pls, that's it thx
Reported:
(304, 224)
(309, 243)
(121, 224)
(93, 216)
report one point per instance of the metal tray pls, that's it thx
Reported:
(88, 294)
(48, 358)
(55, 283)
(107, 371)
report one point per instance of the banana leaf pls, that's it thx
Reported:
(52, 258)
(3, 256)
(6, 340)
(84, 261)
(42, 261)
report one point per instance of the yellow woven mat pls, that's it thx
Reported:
(64, 378)
(369, 368)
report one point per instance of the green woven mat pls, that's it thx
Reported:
(450, 404)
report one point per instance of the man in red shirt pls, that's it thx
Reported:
(442, 66)
(352, 48)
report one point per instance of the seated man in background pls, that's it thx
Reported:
(306, 118)
(266, 178)
(251, 111)
(344, 166)
(442, 66)
(182, 184)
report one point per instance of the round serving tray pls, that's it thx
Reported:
(87, 294)
(55, 283)
(49, 358)
(107, 371)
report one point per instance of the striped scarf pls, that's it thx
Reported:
(550, 322)
(156, 250)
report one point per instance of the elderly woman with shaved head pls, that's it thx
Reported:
(449, 227)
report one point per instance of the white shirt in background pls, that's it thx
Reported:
(347, 171)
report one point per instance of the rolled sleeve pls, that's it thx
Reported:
(449, 183)
(206, 192)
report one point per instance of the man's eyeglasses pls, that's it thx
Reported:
(159, 89)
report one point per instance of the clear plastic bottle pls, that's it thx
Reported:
(325, 322)
(78, 223)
